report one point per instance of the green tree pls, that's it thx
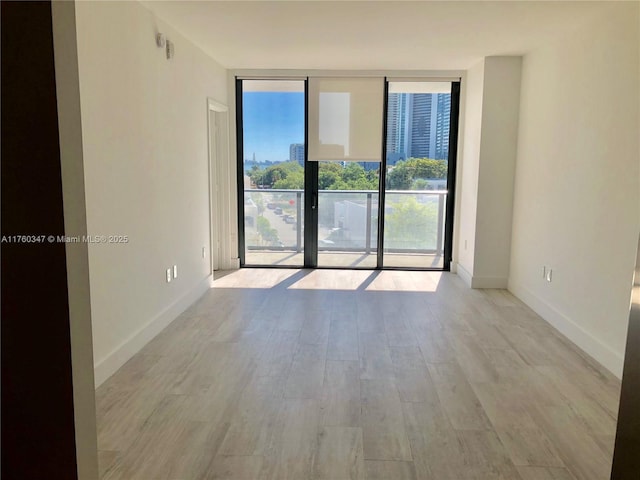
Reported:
(266, 231)
(259, 202)
(256, 175)
(275, 173)
(411, 224)
(404, 173)
(293, 181)
(328, 174)
(420, 184)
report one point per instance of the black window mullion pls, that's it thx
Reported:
(310, 194)
(451, 174)
(240, 171)
(382, 178)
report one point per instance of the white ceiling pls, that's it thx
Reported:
(386, 35)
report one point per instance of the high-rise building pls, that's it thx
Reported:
(397, 127)
(417, 126)
(296, 153)
(422, 134)
(442, 126)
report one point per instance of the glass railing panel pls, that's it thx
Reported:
(348, 214)
(274, 227)
(414, 229)
(348, 228)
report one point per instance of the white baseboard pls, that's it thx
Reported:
(480, 282)
(106, 367)
(607, 357)
(464, 275)
(489, 282)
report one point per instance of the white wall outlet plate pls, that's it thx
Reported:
(168, 275)
(175, 271)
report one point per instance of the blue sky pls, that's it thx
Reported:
(271, 122)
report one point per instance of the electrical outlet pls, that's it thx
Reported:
(549, 276)
(168, 275)
(175, 271)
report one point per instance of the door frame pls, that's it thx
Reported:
(218, 147)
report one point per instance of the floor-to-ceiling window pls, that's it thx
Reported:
(271, 170)
(417, 167)
(332, 169)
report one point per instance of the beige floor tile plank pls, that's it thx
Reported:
(343, 339)
(166, 439)
(277, 355)
(370, 317)
(384, 433)
(315, 329)
(594, 412)
(307, 372)
(434, 344)
(435, 448)
(254, 419)
(484, 456)
(457, 397)
(411, 375)
(544, 473)
(375, 356)
(581, 455)
(473, 360)
(524, 441)
(122, 411)
(399, 330)
(302, 374)
(389, 470)
(340, 455)
(293, 442)
(244, 467)
(340, 405)
(508, 364)
(107, 459)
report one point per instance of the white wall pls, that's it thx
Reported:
(144, 121)
(489, 139)
(468, 165)
(498, 146)
(576, 204)
(75, 224)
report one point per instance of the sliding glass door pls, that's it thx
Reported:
(417, 171)
(345, 138)
(346, 172)
(271, 145)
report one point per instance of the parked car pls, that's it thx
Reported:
(271, 205)
(277, 211)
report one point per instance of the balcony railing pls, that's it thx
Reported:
(347, 220)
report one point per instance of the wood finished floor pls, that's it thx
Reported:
(299, 374)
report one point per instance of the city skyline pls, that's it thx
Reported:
(418, 126)
(273, 126)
